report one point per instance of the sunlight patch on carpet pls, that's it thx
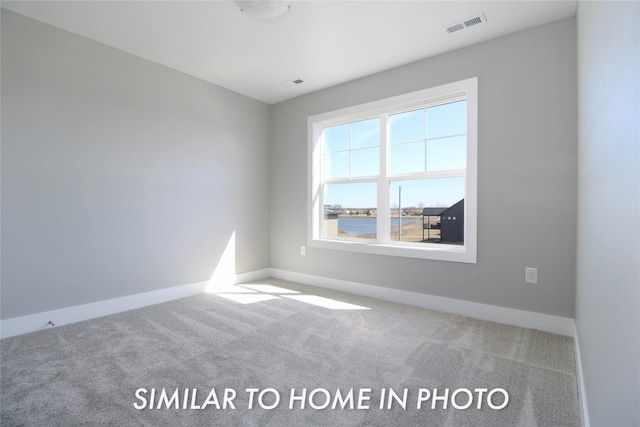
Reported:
(269, 289)
(258, 292)
(248, 298)
(326, 302)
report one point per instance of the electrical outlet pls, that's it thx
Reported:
(531, 275)
(303, 250)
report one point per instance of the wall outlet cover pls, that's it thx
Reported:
(531, 275)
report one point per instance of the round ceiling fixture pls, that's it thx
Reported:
(264, 9)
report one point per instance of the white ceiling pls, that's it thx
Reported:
(323, 43)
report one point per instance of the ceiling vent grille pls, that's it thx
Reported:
(466, 23)
(293, 82)
(455, 27)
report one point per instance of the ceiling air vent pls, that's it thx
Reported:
(476, 19)
(293, 82)
(455, 27)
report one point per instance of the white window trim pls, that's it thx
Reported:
(437, 251)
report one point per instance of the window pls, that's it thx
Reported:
(397, 176)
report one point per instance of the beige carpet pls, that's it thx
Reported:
(350, 353)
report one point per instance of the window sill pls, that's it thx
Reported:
(438, 252)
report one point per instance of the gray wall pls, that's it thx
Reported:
(608, 266)
(526, 183)
(120, 176)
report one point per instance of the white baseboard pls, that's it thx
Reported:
(64, 316)
(526, 319)
(584, 410)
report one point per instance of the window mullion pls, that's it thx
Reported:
(426, 129)
(383, 223)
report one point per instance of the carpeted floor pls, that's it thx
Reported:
(350, 353)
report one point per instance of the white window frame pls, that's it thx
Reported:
(465, 89)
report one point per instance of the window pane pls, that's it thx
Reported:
(447, 153)
(365, 162)
(447, 119)
(407, 158)
(432, 210)
(336, 138)
(350, 211)
(336, 165)
(365, 133)
(408, 126)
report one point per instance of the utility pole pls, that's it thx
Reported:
(399, 213)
